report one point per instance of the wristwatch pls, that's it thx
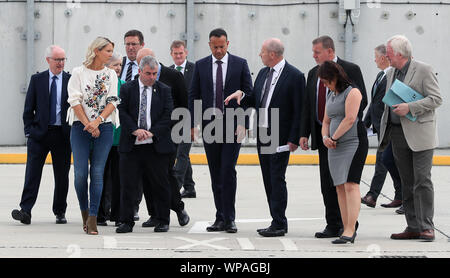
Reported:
(334, 140)
(103, 119)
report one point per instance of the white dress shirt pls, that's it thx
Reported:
(183, 66)
(58, 93)
(134, 71)
(149, 105)
(277, 70)
(214, 73)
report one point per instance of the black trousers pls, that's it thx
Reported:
(176, 204)
(273, 168)
(143, 162)
(59, 147)
(110, 203)
(330, 200)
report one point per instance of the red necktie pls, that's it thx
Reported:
(321, 101)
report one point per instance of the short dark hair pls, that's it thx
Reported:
(331, 71)
(219, 32)
(135, 33)
(176, 44)
(326, 41)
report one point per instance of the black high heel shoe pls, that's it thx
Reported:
(345, 239)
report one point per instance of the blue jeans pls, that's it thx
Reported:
(85, 148)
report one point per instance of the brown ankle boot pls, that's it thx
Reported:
(84, 215)
(92, 225)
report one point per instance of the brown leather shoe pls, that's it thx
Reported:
(369, 201)
(427, 235)
(393, 204)
(406, 235)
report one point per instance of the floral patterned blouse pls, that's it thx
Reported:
(93, 89)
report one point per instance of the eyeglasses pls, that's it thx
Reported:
(131, 44)
(59, 60)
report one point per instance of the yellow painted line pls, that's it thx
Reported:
(244, 159)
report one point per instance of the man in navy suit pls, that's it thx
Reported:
(276, 96)
(216, 77)
(46, 128)
(145, 145)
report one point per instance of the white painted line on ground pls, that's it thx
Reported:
(245, 243)
(201, 243)
(288, 244)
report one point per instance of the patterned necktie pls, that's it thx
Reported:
(219, 86)
(53, 101)
(129, 71)
(143, 110)
(267, 88)
(321, 101)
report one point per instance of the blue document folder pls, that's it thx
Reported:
(401, 93)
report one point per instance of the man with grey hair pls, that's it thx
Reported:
(145, 145)
(47, 130)
(384, 159)
(278, 87)
(413, 142)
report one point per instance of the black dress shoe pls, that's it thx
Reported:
(216, 227)
(117, 224)
(150, 223)
(230, 227)
(260, 230)
(272, 232)
(124, 228)
(161, 228)
(327, 233)
(61, 218)
(183, 218)
(188, 194)
(136, 216)
(22, 216)
(101, 222)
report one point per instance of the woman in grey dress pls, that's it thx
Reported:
(346, 139)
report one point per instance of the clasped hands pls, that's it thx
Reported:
(330, 144)
(92, 128)
(142, 134)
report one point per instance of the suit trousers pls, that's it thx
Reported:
(183, 167)
(273, 168)
(330, 200)
(110, 202)
(222, 159)
(176, 204)
(144, 163)
(385, 163)
(59, 147)
(415, 173)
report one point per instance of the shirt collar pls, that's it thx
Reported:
(128, 61)
(183, 65)
(141, 86)
(224, 59)
(335, 58)
(59, 76)
(279, 66)
(387, 69)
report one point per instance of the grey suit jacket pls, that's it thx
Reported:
(421, 134)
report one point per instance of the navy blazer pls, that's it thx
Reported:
(376, 108)
(36, 113)
(287, 97)
(237, 78)
(161, 109)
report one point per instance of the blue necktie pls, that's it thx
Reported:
(53, 101)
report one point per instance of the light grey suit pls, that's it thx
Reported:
(413, 144)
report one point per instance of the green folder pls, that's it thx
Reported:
(401, 93)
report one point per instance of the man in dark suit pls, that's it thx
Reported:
(216, 77)
(183, 167)
(134, 41)
(311, 125)
(278, 87)
(384, 159)
(46, 128)
(174, 80)
(145, 145)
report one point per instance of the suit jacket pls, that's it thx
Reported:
(287, 97)
(161, 109)
(237, 78)
(376, 107)
(309, 123)
(36, 112)
(421, 134)
(187, 73)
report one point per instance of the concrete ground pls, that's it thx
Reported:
(44, 239)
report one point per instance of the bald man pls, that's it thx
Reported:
(46, 128)
(175, 80)
(278, 87)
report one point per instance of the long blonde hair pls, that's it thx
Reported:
(99, 43)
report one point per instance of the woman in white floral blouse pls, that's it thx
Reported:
(93, 100)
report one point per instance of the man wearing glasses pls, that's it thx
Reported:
(134, 41)
(46, 128)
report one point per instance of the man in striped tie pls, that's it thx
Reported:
(134, 41)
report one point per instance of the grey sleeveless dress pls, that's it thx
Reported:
(347, 160)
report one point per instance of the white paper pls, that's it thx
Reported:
(370, 132)
(284, 148)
